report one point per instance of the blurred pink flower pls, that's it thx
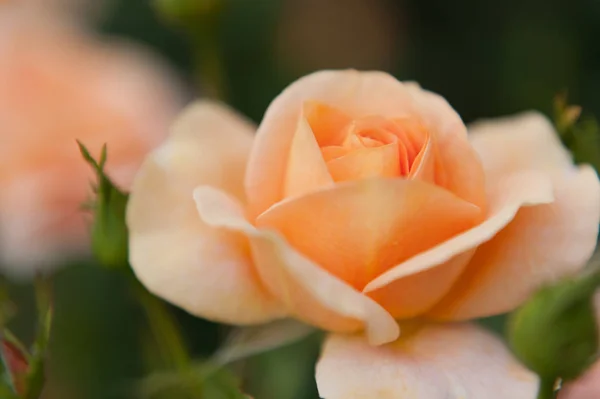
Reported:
(59, 84)
(586, 387)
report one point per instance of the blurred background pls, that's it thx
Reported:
(487, 58)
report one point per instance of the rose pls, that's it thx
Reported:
(57, 85)
(364, 202)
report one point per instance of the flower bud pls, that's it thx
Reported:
(555, 333)
(109, 230)
(16, 364)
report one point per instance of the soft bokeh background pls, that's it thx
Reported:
(488, 58)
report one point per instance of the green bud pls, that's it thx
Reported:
(555, 333)
(187, 12)
(109, 230)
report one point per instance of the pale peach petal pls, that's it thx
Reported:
(172, 252)
(363, 163)
(308, 291)
(451, 361)
(511, 144)
(585, 387)
(542, 244)
(356, 230)
(306, 168)
(447, 259)
(353, 93)
(458, 168)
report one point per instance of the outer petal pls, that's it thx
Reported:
(414, 286)
(433, 362)
(512, 144)
(354, 93)
(308, 291)
(542, 243)
(173, 253)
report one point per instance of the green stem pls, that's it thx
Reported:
(547, 390)
(169, 340)
(165, 330)
(207, 59)
(36, 375)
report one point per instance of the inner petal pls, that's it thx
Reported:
(409, 150)
(306, 168)
(359, 229)
(326, 122)
(382, 161)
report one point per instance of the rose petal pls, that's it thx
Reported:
(423, 167)
(423, 273)
(363, 163)
(326, 122)
(415, 293)
(433, 362)
(353, 93)
(172, 252)
(511, 144)
(306, 168)
(358, 229)
(308, 291)
(542, 244)
(458, 168)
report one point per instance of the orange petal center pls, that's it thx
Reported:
(368, 146)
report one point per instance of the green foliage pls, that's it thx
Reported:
(25, 369)
(208, 380)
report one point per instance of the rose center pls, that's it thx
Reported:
(368, 146)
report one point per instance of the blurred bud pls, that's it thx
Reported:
(187, 12)
(565, 115)
(555, 333)
(109, 230)
(16, 365)
(580, 135)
